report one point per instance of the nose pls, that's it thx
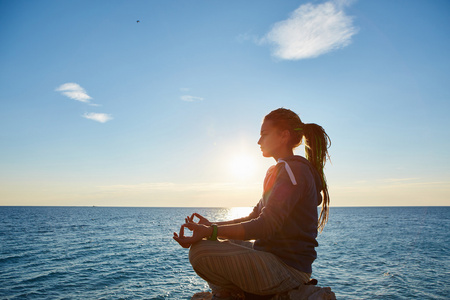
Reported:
(259, 141)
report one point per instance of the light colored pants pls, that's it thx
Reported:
(238, 268)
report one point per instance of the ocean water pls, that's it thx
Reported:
(129, 253)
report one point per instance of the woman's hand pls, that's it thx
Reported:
(201, 219)
(199, 231)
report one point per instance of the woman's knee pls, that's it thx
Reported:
(197, 251)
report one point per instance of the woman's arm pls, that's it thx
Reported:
(231, 231)
(200, 231)
(204, 221)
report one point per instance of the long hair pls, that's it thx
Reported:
(316, 142)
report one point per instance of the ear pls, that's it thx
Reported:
(285, 135)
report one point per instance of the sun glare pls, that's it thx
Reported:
(242, 166)
(238, 212)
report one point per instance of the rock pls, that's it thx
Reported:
(202, 296)
(308, 292)
(305, 292)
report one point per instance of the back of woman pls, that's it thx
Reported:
(284, 223)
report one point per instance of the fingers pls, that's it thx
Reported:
(200, 218)
(186, 241)
(182, 241)
(182, 230)
(191, 226)
(191, 218)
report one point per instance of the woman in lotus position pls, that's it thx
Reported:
(284, 223)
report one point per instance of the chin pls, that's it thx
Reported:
(266, 154)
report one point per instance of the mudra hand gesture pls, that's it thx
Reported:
(200, 230)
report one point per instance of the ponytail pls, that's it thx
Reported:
(316, 142)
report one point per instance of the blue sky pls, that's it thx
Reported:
(99, 109)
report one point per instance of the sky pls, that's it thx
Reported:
(160, 103)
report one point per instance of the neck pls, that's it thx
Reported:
(283, 154)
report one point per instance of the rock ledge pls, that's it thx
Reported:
(306, 292)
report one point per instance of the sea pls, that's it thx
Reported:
(129, 253)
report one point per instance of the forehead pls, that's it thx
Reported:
(267, 126)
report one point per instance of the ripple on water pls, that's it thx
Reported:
(128, 253)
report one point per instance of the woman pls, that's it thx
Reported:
(283, 224)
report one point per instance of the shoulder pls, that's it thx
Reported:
(297, 168)
(295, 163)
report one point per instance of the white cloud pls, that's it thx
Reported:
(189, 98)
(99, 117)
(74, 91)
(311, 30)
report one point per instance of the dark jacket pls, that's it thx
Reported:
(284, 222)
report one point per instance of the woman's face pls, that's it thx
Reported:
(272, 141)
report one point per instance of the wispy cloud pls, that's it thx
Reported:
(189, 98)
(311, 30)
(99, 117)
(74, 91)
(393, 183)
(399, 180)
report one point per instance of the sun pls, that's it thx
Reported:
(242, 166)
